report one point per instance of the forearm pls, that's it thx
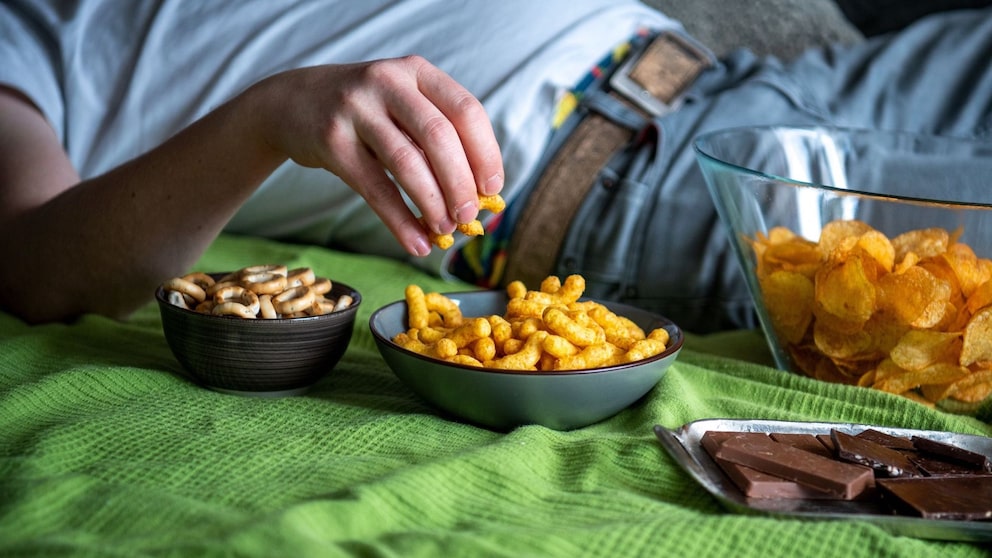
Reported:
(103, 244)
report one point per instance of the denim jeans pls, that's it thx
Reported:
(650, 235)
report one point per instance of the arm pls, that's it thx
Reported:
(103, 244)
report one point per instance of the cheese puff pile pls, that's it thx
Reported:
(549, 329)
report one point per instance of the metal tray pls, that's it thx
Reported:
(683, 444)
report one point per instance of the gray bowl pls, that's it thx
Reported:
(502, 400)
(264, 357)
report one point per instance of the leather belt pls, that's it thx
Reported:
(652, 80)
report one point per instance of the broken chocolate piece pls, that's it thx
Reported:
(806, 442)
(887, 440)
(754, 483)
(966, 497)
(954, 453)
(758, 451)
(932, 466)
(887, 462)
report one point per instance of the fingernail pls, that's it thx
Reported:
(446, 226)
(421, 246)
(493, 185)
(467, 212)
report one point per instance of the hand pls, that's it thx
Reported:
(402, 116)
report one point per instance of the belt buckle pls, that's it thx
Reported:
(677, 59)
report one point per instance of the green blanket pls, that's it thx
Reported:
(106, 449)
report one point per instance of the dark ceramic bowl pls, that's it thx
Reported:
(263, 357)
(501, 399)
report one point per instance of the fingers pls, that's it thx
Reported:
(472, 125)
(437, 142)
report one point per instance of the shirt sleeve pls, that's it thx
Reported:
(30, 62)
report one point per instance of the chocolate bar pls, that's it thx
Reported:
(754, 483)
(887, 440)
(758, 451)
(806, 442)
(954, 453)
(888, 462)
(966, 497)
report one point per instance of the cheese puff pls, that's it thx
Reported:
(558, 322)
(551, 284)
(484, 349)
(615, 329)
(472, 228)
(501, 330)
(451, 314)
(512, 345)
(602, 354)
(559, 347)
(547, 362)
(494, 203)
(571, 289)
(465, 360)
(523, 308)
(542, 298)
(660, 334)
(516, 289)
(443, 349)
(522, 329)
(524, 359)
(416, 304)
(409, 340)
(633, 330)
(642, 349)
(469, 331)
(431, 334)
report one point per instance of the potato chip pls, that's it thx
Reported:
(916, 297)
(789, 303)
(846, 290)
(911, 315)
(926, 243)
(919, 349)
(977, 341)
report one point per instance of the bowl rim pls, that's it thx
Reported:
(351, 309)
(699, 140)
(673, 347)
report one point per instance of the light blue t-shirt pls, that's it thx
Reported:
(117, 77)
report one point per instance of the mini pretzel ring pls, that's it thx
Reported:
(300, 277)
(264, 283)
(233, 309)
(269, 268)
(201, 279)
(293, 300)
(321, 286)
(186, 287)
(265, 308)
(240, 295)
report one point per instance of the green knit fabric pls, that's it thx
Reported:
(107, 449)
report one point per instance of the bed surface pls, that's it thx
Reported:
(107, 449)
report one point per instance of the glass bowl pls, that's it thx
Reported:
(865, 252)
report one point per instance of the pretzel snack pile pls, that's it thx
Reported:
(259, 291)
(544, 330)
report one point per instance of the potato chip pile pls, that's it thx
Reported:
(545, 330)
(911, 315)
